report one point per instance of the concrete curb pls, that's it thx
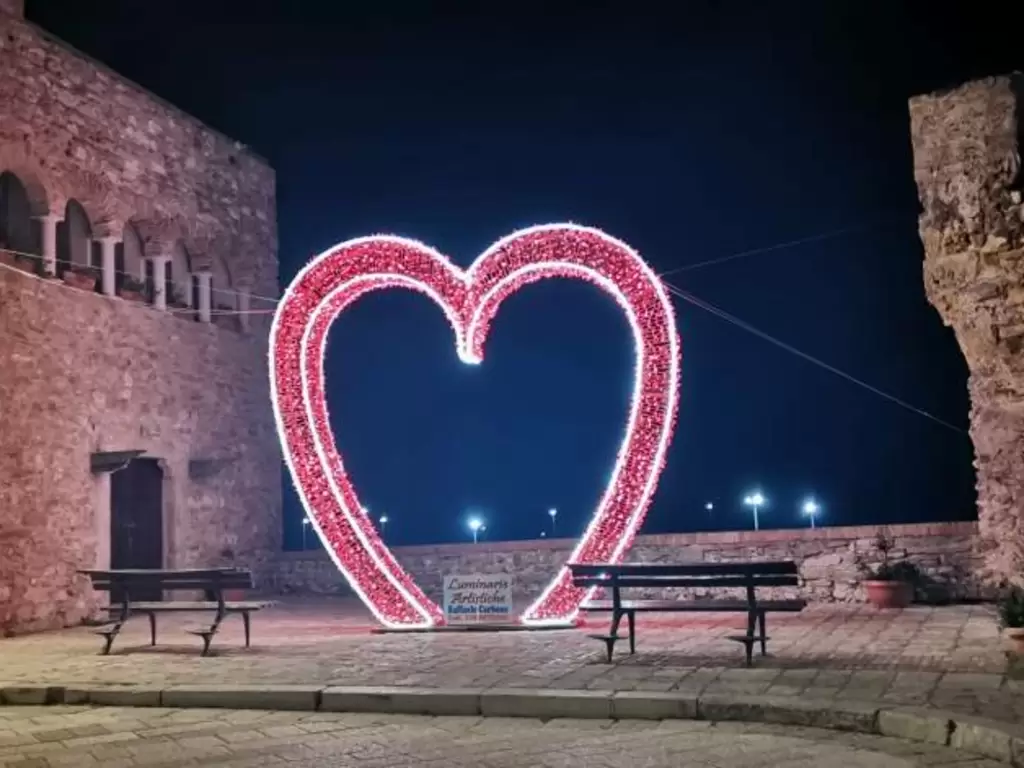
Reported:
(989, 738)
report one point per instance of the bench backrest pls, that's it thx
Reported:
(745, 574)
(207, 579)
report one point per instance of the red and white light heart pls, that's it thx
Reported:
(470, 299)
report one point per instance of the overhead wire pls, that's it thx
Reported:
(815, 238)
(680, 293)
(690, 298)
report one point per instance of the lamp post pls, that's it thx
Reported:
(305, 525)
(811, 508)
(755, 501)
(383, 525)
(553, 513)
(476, 525)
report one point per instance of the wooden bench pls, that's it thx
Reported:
(747, 576)
(212, 582)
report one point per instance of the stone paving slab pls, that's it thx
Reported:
(113, 737)
(946, 658)
(999, 740)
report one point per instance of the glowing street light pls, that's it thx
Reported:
(811, 508)
(553, 513)
(383, 525)
(305, 526)
(755, 501)
(476, 525)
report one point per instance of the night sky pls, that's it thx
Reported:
(724, 128)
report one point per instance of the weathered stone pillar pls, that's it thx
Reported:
(48, 242)
(205, 280)
(967, 165)
(159, 281)
(108, 265)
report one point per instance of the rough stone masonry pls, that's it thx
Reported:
(84, 373)
(967, 164)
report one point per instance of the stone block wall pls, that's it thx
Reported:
(827, 557)
(967, 164)
(84, 373)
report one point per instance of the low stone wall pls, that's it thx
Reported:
(944, 553)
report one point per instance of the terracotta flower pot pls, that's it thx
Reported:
(78, 280)
(23, 263)
(1014, 639)
(889, 594)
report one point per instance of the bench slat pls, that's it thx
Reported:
(189, 578)
(766, 568)
(169, 584)
(688, 581)
(244, 605)
(695, 606)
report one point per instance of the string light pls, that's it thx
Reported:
(469, 299)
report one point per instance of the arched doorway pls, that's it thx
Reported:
(128, 258)
(74, 238)
(223, 298)
(18, 231)
(179, 278)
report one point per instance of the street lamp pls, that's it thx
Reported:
(305, 525)
(553, 513)
(383, 525)
(755, 501)
(811, 509)
(476, 525)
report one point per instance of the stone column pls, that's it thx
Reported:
(243, 310)
(108, 265)
(205, 279)
(159, 281)
(48, 242)
(967, 167)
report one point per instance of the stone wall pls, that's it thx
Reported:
(84, 373)
(967, 164)
(828, 559)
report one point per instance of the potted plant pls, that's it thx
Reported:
(889, 583)
(22, 261)
(132, 289)
(81, 276)
(176, 300)
(1011, 618)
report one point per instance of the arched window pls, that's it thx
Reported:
(74, 238)
(179, 278)
(17, 230)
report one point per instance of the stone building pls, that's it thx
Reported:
(137, 247)
(967, 164)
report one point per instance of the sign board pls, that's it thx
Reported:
(478, 598)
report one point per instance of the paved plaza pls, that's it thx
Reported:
(33, 737)
(942, 657)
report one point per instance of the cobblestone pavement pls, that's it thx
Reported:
(946, 657)
(33, 737)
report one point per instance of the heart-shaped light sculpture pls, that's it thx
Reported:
(469, 299)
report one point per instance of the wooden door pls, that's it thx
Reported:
(136, 520)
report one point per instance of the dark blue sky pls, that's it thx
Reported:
(728, 127)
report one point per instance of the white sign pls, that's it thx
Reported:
(478, 597)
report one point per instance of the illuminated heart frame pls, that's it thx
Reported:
(470, 299)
